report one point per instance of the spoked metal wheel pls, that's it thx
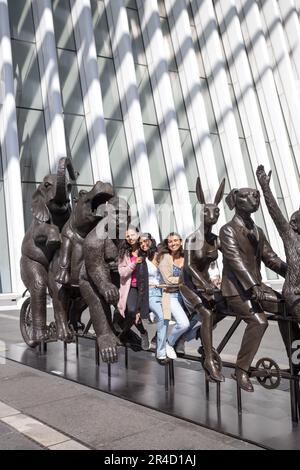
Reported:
(26, 326)
(267, 373)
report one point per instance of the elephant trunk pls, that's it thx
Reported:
(61, 195)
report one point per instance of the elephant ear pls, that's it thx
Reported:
(38, 206)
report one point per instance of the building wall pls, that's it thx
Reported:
(148, 94)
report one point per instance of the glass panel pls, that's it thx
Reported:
(198, 52)
(5, 281)
(26, 75)
(138, 50)
(190, 12)
(145, 95)
(164, 213)
(70, 82)
(109, 89)
(118, 154)
(178, 100)
(129, 195)
(21, 21)
(63, 26)
(27, 192)
(100, 25)
(130, 4)
(208, 106)
(220, 162)
(190, 165)
(33, 145)
(76, 133)
(247, 163)
(157, 165)
(236, 112)
(170, 54)
(195, 208)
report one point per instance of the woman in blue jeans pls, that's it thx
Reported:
(165, 350)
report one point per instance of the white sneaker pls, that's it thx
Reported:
(170, 351)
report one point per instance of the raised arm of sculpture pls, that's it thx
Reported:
(280, 221)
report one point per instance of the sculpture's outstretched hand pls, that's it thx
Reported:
(108, 348)
(263, 178)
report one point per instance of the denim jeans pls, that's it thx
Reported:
(182, 322)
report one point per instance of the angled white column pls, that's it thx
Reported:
(132, 115)
(91, 90)
(10, 152)
(166, 114)
(214, 65)
(181, 35)
(283, 72)
(291, 26)
(50, 85)
(246, 99)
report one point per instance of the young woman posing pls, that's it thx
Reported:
(134, 301)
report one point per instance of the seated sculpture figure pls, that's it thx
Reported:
(197, 289)
(290, 234)
(244, 246)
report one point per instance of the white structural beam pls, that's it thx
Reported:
(181, 35)
(10, 152)
(91, 90)
(132, 115)
(50, 85)
(246, 99)
(291, 26)
(215, 69)
(166, 114)
(263, 76)
(283, 72)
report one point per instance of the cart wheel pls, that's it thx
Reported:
(26, 324)
(272, 376)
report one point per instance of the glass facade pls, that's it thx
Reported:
(34, 131)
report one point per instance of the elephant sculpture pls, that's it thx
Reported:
(50, 209)
(63, 276)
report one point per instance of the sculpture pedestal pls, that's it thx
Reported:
(265, 419)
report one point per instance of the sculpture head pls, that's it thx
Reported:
(211, 210)
(295, 221)
(244, 200)
(51, 198)
(86, 212)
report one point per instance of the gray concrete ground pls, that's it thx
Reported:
(90, 417)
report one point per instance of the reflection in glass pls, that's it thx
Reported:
(63, 26)
(118, 154)
(33, 144)
(100, 26)
(109, 89)
(5, 281)
(21, 20)
(156, 160)
(70, 82)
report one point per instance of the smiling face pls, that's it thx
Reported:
(132, 237)
(247, 200)
(174, 243)
(145, 243)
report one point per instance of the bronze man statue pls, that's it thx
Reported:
(290, 234)
(244, 246)
(197, 289)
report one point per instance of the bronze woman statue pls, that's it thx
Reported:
(198, 290)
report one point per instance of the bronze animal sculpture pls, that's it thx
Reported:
(51, 209)
(65, 267)
(244, 247)
(197, 290)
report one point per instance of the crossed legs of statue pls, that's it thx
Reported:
(257, 323)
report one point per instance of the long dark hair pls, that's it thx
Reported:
(124, 247)
(153, 248)
(164, 247)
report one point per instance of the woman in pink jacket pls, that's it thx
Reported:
(133, 302)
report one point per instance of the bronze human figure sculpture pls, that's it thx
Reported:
(244, 246)
(290, 234)
(50, 209)
(197, 289)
